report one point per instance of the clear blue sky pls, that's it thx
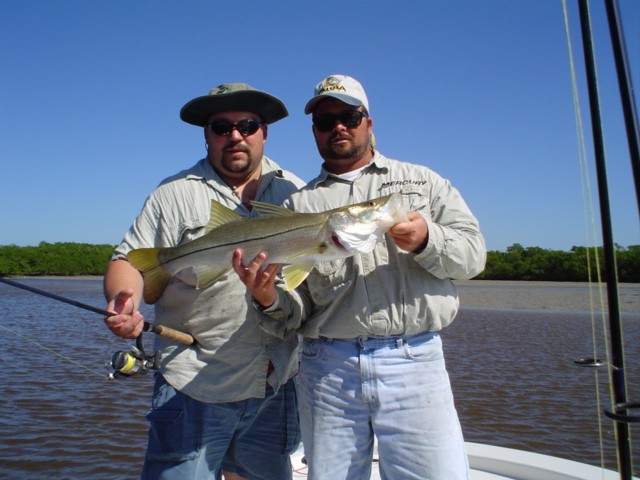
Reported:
(477, 90)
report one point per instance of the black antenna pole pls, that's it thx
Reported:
(617, 361)
(626, 90)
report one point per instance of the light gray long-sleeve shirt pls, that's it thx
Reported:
(230, 360)
(389, 291)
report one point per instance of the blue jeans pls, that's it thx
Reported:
(394, 388)
(193, 440)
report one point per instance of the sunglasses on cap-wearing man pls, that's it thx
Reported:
(224, 128)
(325, 122)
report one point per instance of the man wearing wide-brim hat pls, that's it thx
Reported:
(226, 403)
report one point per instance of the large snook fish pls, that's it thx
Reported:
(297, 240)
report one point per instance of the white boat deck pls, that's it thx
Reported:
(497, 463)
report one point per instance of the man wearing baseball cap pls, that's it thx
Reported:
(226, 403)
(372, 364)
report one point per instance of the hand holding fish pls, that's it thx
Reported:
(124, 325)
(411, 235)
(260, 282)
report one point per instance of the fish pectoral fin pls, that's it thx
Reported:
(220, 215)
(294, 275)
(209, 274)
(270, 210)
(155, 278)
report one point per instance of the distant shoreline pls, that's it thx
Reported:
(571, 296)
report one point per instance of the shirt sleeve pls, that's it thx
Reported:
(291, 310)
(456, 248)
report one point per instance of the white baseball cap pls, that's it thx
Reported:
(344, 88)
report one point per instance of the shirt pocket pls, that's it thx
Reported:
(414, 199)
(188, 231)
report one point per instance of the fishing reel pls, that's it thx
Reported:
(133, 362)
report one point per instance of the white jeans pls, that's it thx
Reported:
(394, 388)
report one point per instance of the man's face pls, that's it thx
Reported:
(341, 145)
(235, 155)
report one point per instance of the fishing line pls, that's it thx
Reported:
(44, 347)
(590, 234)
(170, 333)
(125, 364)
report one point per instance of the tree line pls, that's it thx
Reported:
(537, 264)
(516, 263)
(59, 259)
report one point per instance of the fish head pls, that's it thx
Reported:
(357, 228)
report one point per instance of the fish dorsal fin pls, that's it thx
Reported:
(294, 275)
(270, 210)
(220, 215)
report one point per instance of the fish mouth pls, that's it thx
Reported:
(336, 241)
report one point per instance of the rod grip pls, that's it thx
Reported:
(170, 333)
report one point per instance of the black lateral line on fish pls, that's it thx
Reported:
(236, 242)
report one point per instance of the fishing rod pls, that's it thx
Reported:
(620, 414)
(124, 363)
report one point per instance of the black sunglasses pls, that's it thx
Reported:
(325, 122)
(244, 127)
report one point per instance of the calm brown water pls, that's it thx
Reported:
(512, 372)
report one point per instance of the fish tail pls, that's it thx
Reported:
(156, 278)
